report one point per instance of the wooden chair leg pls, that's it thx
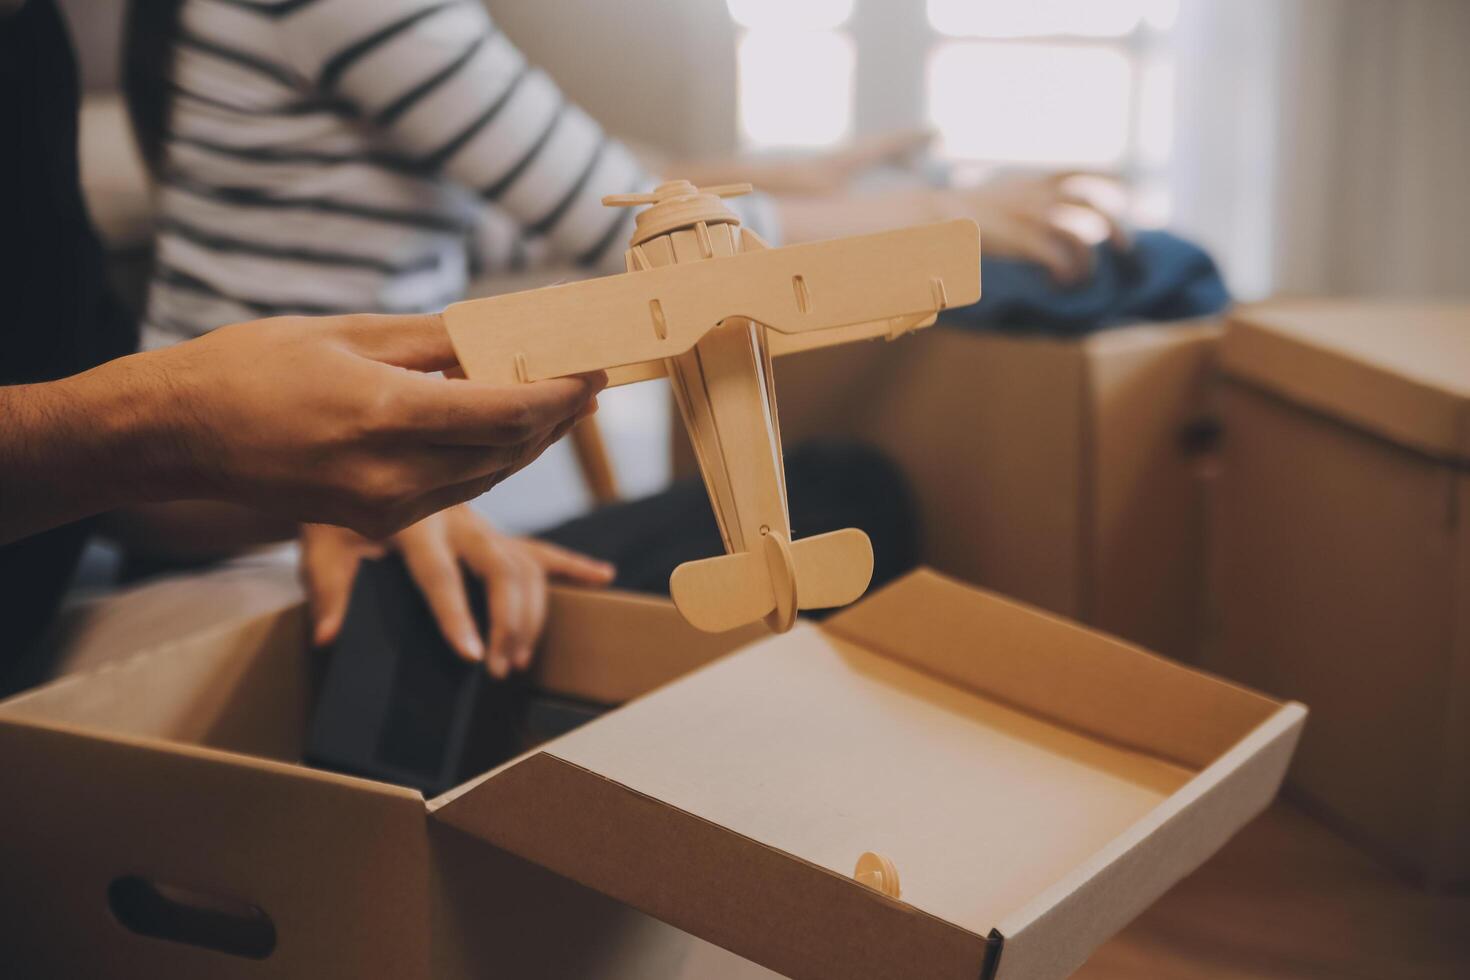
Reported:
(594, 462)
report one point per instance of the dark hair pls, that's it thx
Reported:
(149, 32)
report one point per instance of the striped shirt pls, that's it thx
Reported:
(329, 156)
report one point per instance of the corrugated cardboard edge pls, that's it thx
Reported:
(1060, 928)
(1372, 397)
(662, 860)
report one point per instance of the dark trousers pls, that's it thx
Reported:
(828, 486)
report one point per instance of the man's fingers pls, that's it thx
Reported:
(528, 454)
(433, 565)
(513, 460)
(327, 571)
(418, 341)
(571, 565)
(470, 413)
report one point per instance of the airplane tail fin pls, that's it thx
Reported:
(825, 570)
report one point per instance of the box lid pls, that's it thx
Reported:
(1399, 371)
(1036, 786)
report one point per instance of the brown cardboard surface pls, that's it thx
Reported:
(490, 919)
(178, 765)
(81, 811)
(642, 645)
(1053, 471)
(1055, 669)
(1144, 533)
(1099, 897)
(243, 686)
(826, 750)
(734, 802)
(730, 804)
(1399, 370)
(1339, 570)
(987, 431)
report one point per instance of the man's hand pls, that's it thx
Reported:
(341, 420)
(514, 570)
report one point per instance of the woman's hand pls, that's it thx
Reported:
(1022, 218)
(514, 570)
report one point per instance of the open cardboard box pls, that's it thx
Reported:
(1036, 785)
(1064, 472)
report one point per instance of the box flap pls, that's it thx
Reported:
(1400, 371)
(734, 803)
(1053, 668)
(608, 646)
(1055, 933)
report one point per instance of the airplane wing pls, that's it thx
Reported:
(871, 284)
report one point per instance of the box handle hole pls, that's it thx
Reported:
(184, 915)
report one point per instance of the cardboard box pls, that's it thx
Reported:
(1342, 557)
(1036, 785)
(1065, 473)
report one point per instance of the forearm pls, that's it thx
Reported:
(83, 445)
(192, 530)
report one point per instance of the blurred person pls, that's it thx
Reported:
(344, 419)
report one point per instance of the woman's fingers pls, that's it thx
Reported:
(1115, 232)
(485, 552)
(533, 583)
(571, 565)
(328, 568)
(508, 617)
(1079, 253)
(434, 566)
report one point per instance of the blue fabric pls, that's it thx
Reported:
(1162, 277)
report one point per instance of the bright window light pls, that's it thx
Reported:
(1156, 112)
(791, 15)
(1161, 14)
(1038, 18)
(1035, 103)
(796, 88)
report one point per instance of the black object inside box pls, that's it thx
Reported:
(398, 705)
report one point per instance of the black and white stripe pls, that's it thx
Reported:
(330, 155)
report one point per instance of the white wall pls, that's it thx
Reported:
(659, 71)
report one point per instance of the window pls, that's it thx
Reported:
(1056, 84)
(796, 70)
(1084, 84)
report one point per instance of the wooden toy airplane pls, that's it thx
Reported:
(708, 304)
